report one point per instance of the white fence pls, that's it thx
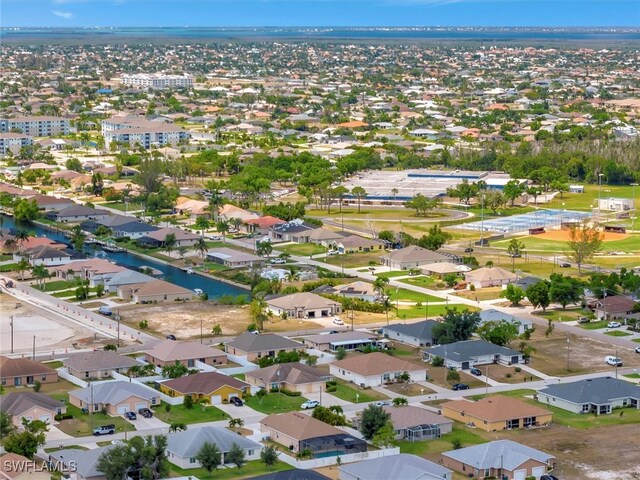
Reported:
(62, 373)
(140, 381)
(247, 366)
(348, 458)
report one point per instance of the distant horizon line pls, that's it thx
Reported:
(527, 27)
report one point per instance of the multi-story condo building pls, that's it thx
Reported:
(157, 80)
(37, 126)
(138, 131)
(13, 142)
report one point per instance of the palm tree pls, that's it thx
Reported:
(215, 202)
(292, 275)
(201, 247)
(380, 283)
(359, 193)
(22, 236)
(394, 192)
(78, 237)
(236, 222)
(223, 228)
(40, 273)
(202, 224)
(22, 266)
(10, 244)
(170, 243)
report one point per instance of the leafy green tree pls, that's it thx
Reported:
(464, 191)
(455, 326)
(512, 190)
(78, 237)
(514, 294)
(111, 346)
(116, 462)
(360, 193)
(498, 332)
(584, 243)
(341, 353)
(26, 210)
(209, 456)
(515, 249)
(174, 370)
(538, 295)
(74, 164)
(6, 424)
(269, 455)
(170, 242)
(399, 401)
(372, 419)
(437, 361)
(236, 456)
(385, 436)
(565, 290)
(150, 456)
(435, 239)
(27, 441)
(422, 205)
(453, 376)
(188, 402)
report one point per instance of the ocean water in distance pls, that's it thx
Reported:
(21, 34)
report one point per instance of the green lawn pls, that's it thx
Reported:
(442, 444)
(275, 403)
(131, 207)
(9, 267)
(533, 243)
(392, 274)
(302, 249)
(618, 333)
(585, 201)
(637, 340)
(60, 285)
(197, 414)
(632, 375)
(239, 376)
(212, 266)
(420, 281)
(82, 424)
(249, 470)
(594, 325)
(54, 364)
(348, 391)
(564, 315)
(433, 310)
(405, 295)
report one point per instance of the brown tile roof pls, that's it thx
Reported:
(290, 373)
(157, 287)
(204, 383)
(299, 426)
(408, 416)
(22, 367)
(376, 364)
(495, 408)
(170, 350)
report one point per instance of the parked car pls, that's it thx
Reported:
(338, 321)
(278, 261)
(583, 320)
(237, 401)
(215, 237)
(460, 386)
(171, 337)
(475, 371)
(637, 350)
(105, 310)
(460, 286)
(612, 360)
(310, 404)
(613, 325)
(565, 265)
(468, 250)
(130, 415)
(104, 430)
(549, 477)
(382, 403)
(145, 412)
(332, 252)
(515, 255)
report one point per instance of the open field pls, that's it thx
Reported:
(430, 310)
(354, 260)
(404, 295)
(409, 389)
(302, 249)
(589, 199)
(438, 376)
(275, 403)
(349, 392)
(197, 414)
(481, 294)
(420, 281)
(556, 241)
(559, 315)
(249, 470)
(508, 374)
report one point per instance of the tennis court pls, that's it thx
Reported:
(522, 223)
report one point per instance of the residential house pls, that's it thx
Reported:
(403, 466)
(411, 257)
(229, 212)
(155, 291)
(493, 315)
(98, 364)
(234, 258)
(13, 142)
(18, 467)
(489, 277)
(45, 255)
(262, 225)
(121, 226)
(193, 208)
(330, 342)
(124, 278)
(116, 398)
(612, 307)
(417, 334)
(440, 269)
(253, 347)
(28, 244)
(495, 413)
(48, 203)
(416, 424)
(214, 387)
(293, 231)
(31, 406)
(96, 270)
(293, 474)
(503, 459)
(77, 214)
(471, 353)
(157, 238)
(594, 395)
(298, 431)
(17, 372)
(294, 376)
(183, 447)
(324, 236)
(358, 290)
(81, 464)
(168, 352)
(303, 305)
(376, 369)
(358, 244)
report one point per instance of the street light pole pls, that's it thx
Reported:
(600, 175)
(633, 206)
(482, 221)
(568, 350)
(11, 325)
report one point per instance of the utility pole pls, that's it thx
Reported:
(200, 329)
(600, 175)
(568, 350)
(616, 362)
(11, 325)
(426, 312)
(633, 206)
(486, 382)
(33, 357)
(118, 343)
(482, 221)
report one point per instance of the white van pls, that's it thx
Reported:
(611, 360)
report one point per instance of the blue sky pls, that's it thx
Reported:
(71, 13)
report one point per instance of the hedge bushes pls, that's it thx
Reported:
(288, 393)
(63, 416)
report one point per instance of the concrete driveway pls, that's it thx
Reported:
(142, 423)
(249, 415)
(55, 434)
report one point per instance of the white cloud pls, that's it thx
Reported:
(65, 15)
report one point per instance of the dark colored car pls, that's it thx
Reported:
(475, 371)
(171, 337)
(460, 386)
(237, 401)
(145, 412)
(468, 250)
(549, 477)
(565, 265)
(130, 415)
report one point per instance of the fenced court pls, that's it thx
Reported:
(527, 221)
(565, 236)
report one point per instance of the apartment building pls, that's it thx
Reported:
(156, 80)
(139, 131)
(13, 142)
(36, 126)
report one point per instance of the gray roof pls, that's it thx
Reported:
(85, 460)
(186, 444)
(78, 210)
(353, 336)
(594, 390)
(18, 403)
(250, 342)
(493, 315)
(421, 330)
(128, 277)
(295, 474)
(231, 255)
(470, 349)
(98, 360)
(112, 392)
(404, 466)
(499, 453)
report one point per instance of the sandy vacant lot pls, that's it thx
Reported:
(50, 332)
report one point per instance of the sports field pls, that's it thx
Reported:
(564, 236)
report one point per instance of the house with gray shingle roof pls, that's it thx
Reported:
(412, 256)
(493, 315)
(254, 347)
(98, 364)
(32, 406)
(183, 447)
(593, 395)
(499, 459)
(116, 398)
(404, 466)
(469, 353)
(126, 277)
(417, 334)
(81, 462)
